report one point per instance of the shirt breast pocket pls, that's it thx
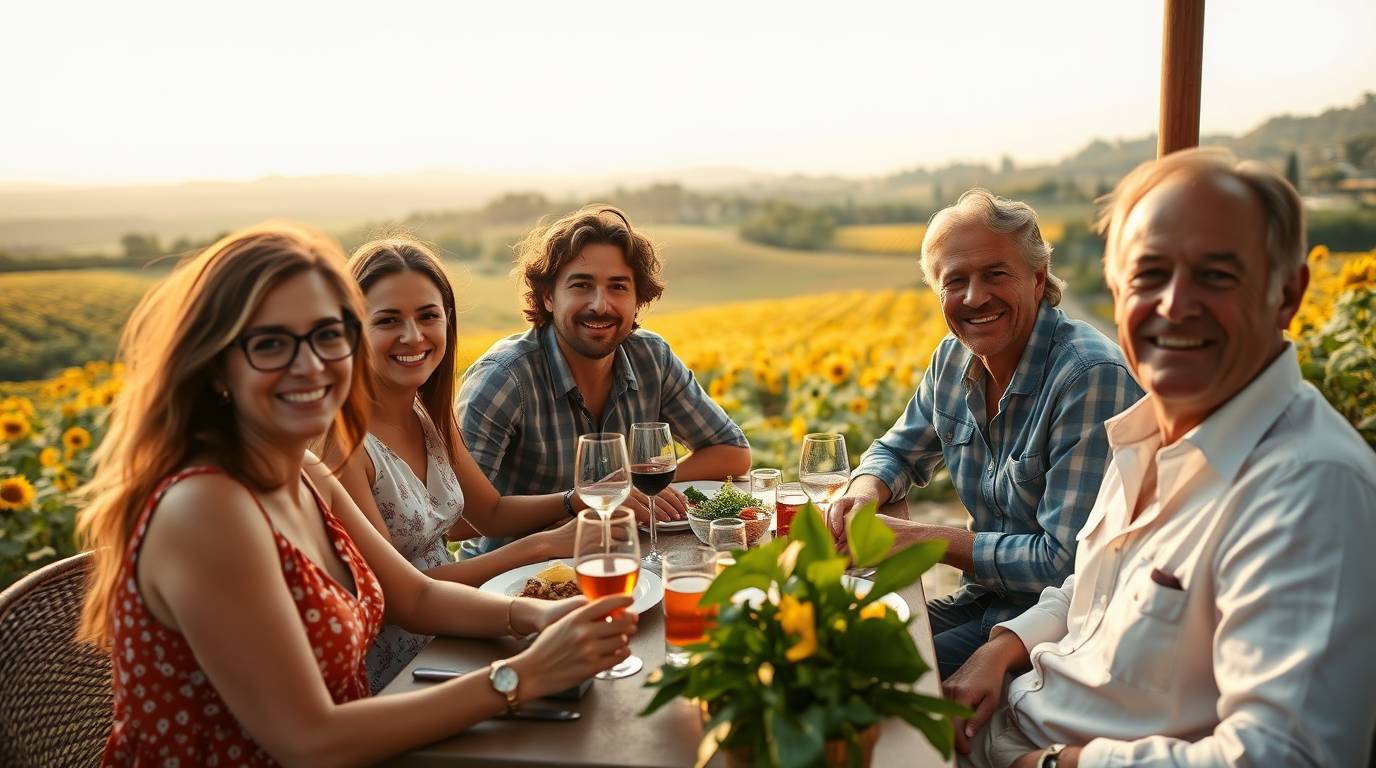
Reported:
(1024, 481)
(952, 431)
(1145, 653)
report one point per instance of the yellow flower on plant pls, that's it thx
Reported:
(49, 457)
(13, 426)
(21, 404)
(65, 480)
(718, 388)
(859, 406)
(16, 493)
(798, 618)
(76, 439)
(766, 674)
(797, 428)
(875, 610)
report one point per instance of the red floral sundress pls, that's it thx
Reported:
(166, 713)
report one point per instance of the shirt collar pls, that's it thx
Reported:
(1227, 437)
(1027, 377)
(561, 377)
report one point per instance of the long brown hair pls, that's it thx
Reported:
(395, 255)
(168, 411)
(546, 249)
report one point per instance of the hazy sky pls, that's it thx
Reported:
(162, 91)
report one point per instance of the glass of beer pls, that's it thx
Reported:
(788, 501)
(606, 554)
(687, 575)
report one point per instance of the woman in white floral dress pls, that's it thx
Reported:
(415, 475)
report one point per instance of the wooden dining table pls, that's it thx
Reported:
(610, 731)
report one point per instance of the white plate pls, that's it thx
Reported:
(754, 596)
(648, 587)
(668, 526)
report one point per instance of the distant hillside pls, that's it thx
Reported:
(40, 220)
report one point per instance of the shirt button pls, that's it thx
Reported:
(950, 435)
(1103, 600)
(991, 467)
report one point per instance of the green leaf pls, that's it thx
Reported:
(904, 567)
(826, 573)
(792, 743)
(868, 538)
(809, 528)
(757, 568)
(883, 650)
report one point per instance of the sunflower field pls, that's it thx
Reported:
(1335, 334)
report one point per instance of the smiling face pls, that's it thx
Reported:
(407, 328)
(989, 294)
(297, 403)
(593, 302)
(1190, 295)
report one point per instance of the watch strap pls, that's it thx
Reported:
(513, 702)
(568, 502)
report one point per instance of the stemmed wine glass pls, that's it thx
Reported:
(606, 552)
(603, 478)
(652, 469)
(824, 468)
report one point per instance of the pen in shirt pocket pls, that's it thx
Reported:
(1168, 580)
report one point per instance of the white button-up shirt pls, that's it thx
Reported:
(1232, 623)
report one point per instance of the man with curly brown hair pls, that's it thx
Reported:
(585, 366)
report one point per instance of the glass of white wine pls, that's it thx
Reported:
(824, 468)
(603, 478)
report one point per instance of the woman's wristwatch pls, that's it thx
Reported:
(1051, 756)
(505, 681)
(568, 502)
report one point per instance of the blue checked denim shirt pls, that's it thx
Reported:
(521, 412)
(1030, 476)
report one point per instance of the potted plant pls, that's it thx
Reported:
(804, 675)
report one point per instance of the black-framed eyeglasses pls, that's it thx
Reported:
(274, 350)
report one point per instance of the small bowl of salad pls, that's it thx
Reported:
(726, 502)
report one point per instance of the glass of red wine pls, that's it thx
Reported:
(653, 464)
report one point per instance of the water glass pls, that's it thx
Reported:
(727, 534)
(687, 575)
(764, 485)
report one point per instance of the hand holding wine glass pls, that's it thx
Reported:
(824, 468)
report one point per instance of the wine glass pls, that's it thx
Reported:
(603, 478)
(606, 557)
(824, 468)
(652, 469)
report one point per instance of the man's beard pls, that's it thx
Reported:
(593, 350)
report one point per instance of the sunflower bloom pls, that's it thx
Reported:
(66, 481)
(798, 618)
(16, 493)
(837, 369)
(798, 428)
(13, 426)
(859, 406)
(49, 457)
(76, 439)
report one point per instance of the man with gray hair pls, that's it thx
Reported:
(1013, 404)
(1222, 583)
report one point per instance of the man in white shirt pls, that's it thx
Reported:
(1221, 608)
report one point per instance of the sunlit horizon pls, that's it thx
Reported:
(159, 92)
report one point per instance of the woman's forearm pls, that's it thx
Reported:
(475, 571)
(521, 515)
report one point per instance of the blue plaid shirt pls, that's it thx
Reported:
(1030, 476)
(521, 412)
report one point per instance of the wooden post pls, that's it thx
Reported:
(1182, 64)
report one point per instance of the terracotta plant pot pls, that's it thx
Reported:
(837, 751)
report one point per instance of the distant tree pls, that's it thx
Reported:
(138, 246)
(1292, 170)
(1360, 151)
(790, 226)
(456, 246)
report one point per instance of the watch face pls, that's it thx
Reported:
(505, 679)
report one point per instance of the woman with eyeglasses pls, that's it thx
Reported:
(237, 586)
(415, 478)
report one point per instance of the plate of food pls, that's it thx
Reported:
(556, 580)
(707, 487)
